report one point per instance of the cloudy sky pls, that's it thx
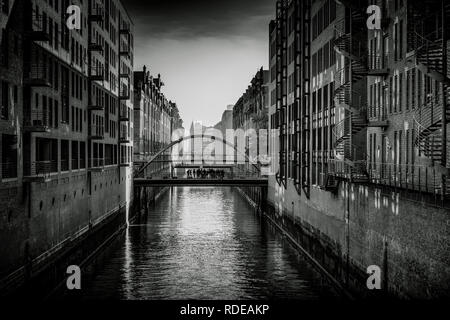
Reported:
(206, 51)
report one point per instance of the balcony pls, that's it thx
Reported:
(39, 28)
(38, 122)
(124, 29)
(124, 114)
(379, 119)
(124, 139)
(124, 93)
(97, 73)
(124, 47)
(95, 106)
(377, 65)
(37, 77)
(95, 47)
(40, 171)
(96, 132)
(125, 52)
(378, 123)
(96, 14)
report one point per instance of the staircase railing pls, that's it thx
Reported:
(424, 52)
(341, 78)
(340, 131)
(427, 115)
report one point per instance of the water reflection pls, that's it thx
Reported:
(205, 243)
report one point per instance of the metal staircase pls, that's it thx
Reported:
(431, 54)
(355, 118)
(350, 42)
(352, 47)
(428, 118)
(428, 122)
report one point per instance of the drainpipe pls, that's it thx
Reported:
(293, 213)
(444, 97)
(347, 222)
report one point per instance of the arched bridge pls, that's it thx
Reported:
(194, 168)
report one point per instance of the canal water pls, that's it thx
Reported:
(205, 243)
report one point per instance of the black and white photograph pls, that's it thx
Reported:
(223, 156)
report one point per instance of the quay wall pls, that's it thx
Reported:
(51, 225)
(405, 234)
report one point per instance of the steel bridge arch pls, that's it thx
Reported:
(190, 137)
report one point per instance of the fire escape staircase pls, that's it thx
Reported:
(428, 117)
(352, 45)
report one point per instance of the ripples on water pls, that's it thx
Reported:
(205, 243)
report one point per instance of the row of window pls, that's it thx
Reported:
(72, 155)
(322, 98)
(393, 98)
(323, 18)
(323, 59)
(399, 151)
(8, 36)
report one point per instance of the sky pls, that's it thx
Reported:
(207, 51)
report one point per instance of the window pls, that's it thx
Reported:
(9, 156)
(396, 41)
(419, 87)
(82, 155)
(75, 164)
(5, 101)
(400, 39)
(413, 89)
(5, 6)
(15, 94)
(56, 106)
(400, 92)
(4, 50)
(64, 155)
(396, 93)
(72, 120)
(56, 40)
(16, 45)
(391, 100)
